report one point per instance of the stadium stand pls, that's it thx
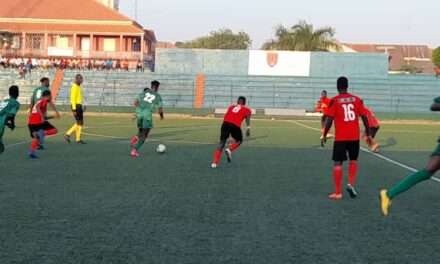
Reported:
(397, 93)
(10, 77)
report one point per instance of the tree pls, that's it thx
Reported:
(302, 37)
(221, 39)
(436, 57)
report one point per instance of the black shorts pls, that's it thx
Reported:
(79, 113)
(342, 148)
(373, 131)
(232, 130)
(35, 128)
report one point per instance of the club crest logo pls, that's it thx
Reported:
(272, 59)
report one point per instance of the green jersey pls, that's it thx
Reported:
(8, 108)
(437, 100)
(38, 92)
(149, 102)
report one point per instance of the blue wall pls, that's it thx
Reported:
(235, 63)
(188, 61)
(365, 65)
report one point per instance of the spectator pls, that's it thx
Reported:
(139, 66)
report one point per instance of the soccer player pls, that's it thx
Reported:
(345, 110)
(373, 122)
(38, 122)
(323, 105)
(386, 196)
(231, 126)
(8, 109)
(146, 104)
(76, 102)
(36, 96)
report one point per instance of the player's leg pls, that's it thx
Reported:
(353, 149)
(72, 129)
(2, 131)
(47, 129)
(34, 133)
(79, 124)
(237, 136)
(339, 156)
(431, 168)
(144, 127)
(224, 135)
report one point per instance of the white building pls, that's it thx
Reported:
(114, 4)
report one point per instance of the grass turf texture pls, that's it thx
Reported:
(94, 204)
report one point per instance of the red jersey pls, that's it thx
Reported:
(372, 120)
(345, 110)
(35, 118)
(325, 102)
(236, 114)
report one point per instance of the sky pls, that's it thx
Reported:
(368, 21)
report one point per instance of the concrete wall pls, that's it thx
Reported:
(236, 63)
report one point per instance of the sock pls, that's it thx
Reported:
(34, 145)
(408, 182)
(50, 132)
(233, 147)
(217, 156)
(71, 130)
(139, 143)
(41, 136)
(337, 178)
(78, 133)
(352, 172)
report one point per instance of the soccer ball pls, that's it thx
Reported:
(161, 148)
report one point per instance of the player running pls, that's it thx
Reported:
(323, 105)
(374, 124)
(146, 104)
(8, 109)
(345, 110)
(231, 126)
(38, 125)
(76, 103)
(386, 196)
(36, 96)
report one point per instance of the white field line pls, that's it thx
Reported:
(377, 155)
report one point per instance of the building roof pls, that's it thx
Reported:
(400, 55)
(59, 9)
(64, 16)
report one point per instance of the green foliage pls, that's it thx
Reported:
(302, 37)
(221, 39)
(409, 68)
(436, 57)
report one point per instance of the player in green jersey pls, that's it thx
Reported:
(36, 96)
(8, 110)
(431, 168)
(146, 104)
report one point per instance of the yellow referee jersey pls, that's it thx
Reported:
(75, 96)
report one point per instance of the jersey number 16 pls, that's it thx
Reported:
(349, 114)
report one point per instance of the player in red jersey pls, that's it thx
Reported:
(323, 106)
(374, 124)
(232, 127)
(345, 110)
(38, 122)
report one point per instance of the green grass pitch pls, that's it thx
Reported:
(95, 204)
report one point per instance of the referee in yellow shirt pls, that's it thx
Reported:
(76, 100)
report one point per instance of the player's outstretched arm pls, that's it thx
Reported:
(161, 113)
(366, 125)
(54, 108)
(248, 126)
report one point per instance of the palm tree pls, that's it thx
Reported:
(302, 37)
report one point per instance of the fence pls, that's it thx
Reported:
(394, 94)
